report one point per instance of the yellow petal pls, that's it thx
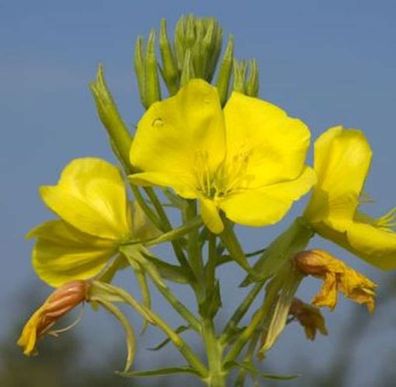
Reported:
(91, 196)
(275, 143)
(268, 205)
(62, 253)
(341, 161)
(210, 216)
(28, 338)
(180, 134)
(182, 186)
(375, 245)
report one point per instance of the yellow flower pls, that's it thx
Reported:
(60, 302)
(310, 318)
(337, 277)
(246, 160)
(342, 161)
(95, 216)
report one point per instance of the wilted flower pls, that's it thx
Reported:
(337, 277)
(310, 318)
(59, 303)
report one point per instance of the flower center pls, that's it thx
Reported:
(231, 175)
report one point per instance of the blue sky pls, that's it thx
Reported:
(326, 62)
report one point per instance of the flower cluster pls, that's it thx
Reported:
(220, 159)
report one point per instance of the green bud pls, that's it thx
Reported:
(146, 70)
(111, 118)
(224, 75)
(240, 69)
(252, 83)
(203, 39)
(169, 69)
(139, 67)
(187, 69)
(152, 85)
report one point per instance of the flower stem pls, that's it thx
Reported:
(214, 350)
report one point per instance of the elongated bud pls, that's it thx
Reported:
(140, 68)
(59, 303)
(187, 70)
(152, 85)
(169, 69)
(146, 70)
(225, 71)
(240, 68)
(110, 117)
(252, 82)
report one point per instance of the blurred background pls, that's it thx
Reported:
(325, 62)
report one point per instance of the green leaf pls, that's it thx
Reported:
(162, 344)
(160, 372)
(170, 272)
(253, 371)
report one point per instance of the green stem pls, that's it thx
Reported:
(168, 236)
(194, 250)
(245, 336)
(217, 375)
(240, 312)
(162, 288)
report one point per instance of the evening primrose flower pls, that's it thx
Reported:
(341, 161)
(59, 303)
(310, 318)
(95, 217)
(246, 160)
(337, 277)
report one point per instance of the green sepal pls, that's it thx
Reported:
(160, 372)
(134, 255)
(108, 273)
(129, 332)
(163, 343)
(143, 287)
